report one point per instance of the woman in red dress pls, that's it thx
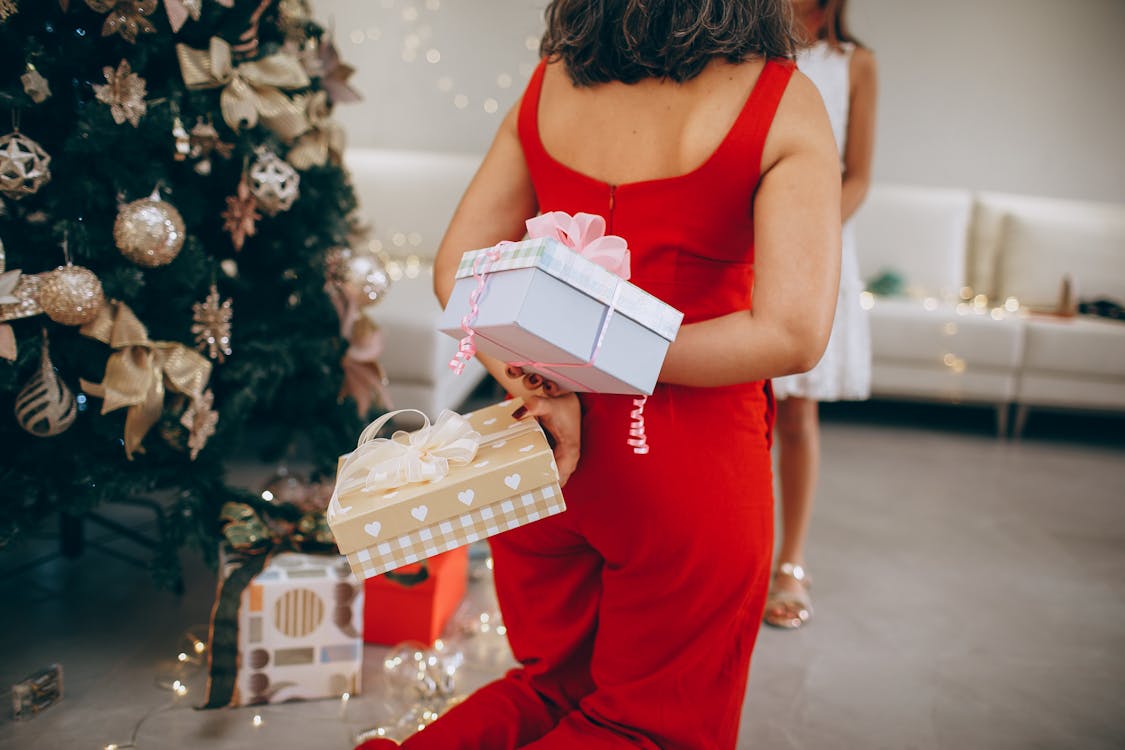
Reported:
(634, 613)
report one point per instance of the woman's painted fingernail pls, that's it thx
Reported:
(534, 380)
(518, 413)
(513, 372)
(550, 387)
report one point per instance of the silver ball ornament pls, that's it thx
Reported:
(150, 231)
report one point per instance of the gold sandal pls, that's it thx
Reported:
(792, 608)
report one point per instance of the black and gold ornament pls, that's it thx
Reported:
(45, 407)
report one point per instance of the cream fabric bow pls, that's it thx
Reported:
(424, 455)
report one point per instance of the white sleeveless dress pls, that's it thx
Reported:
(844, 372)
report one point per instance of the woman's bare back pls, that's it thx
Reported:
(653, 129)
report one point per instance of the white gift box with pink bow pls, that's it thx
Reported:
(559, 303)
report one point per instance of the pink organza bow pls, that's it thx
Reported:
(585, 235)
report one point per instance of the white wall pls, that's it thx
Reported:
(1022, 96)
(413, 103)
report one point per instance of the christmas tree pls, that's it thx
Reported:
(177, 277)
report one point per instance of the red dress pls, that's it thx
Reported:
(635, 612)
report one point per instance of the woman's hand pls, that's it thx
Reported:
(535, 382)
(561, 417)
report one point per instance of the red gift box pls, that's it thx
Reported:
(394, 612)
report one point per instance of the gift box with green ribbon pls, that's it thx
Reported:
(402, 499)
(288, 617)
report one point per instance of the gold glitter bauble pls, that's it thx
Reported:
(71, 295)
(150, 231)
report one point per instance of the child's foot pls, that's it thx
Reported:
(788, 605)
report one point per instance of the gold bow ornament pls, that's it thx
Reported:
(19, 298)
(323, 140)
(139, 371)
(252, 91)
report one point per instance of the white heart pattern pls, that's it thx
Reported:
(527, 448)
(512, 480)
(466, 496)
(373, 528)
(490, 421)
(480, 464)
(420, 512)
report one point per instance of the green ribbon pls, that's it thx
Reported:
(254, 541)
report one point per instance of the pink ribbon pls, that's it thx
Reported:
(585, 235)
(468, 348)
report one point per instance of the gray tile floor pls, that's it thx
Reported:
(969, 592)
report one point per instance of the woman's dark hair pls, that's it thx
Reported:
(627, 40)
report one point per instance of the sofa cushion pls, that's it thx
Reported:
(1036, 252)
(916, 381)
(990, 213)
(1070, 392)
(918, 232)
(1077, 346)
(904, 330)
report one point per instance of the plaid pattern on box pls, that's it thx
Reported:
(466, 528)
(563, 263)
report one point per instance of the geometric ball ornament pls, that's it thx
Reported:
(24, 166)
(150, 231)
(274, 183)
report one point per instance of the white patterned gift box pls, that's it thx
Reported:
(507, 478)
(300, 631)
(551, 310)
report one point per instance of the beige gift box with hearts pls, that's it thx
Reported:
(510, 480)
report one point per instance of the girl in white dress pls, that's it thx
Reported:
(845, 74)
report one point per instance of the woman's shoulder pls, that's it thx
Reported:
(801, 124)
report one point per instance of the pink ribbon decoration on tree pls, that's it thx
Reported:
(585, 235)
(364, 378)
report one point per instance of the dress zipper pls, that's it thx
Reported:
(612, 202)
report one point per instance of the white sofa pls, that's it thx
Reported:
(408, 198)
(949, 338)
(977, 267)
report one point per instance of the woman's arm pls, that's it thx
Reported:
(860, 142)
(495, 206)
(796, 260)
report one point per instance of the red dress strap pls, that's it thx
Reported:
(748, 136)
(528, 124)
